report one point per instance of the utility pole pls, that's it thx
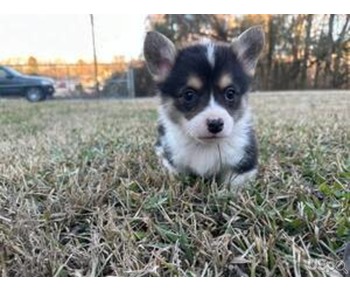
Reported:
(131, 82)
(97, 87)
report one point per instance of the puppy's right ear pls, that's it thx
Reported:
(160, 54)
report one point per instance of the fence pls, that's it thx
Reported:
(78, 80)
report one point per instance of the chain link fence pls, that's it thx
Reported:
(78, 80)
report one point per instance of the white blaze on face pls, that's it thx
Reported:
(211, 53)
(197, 127)
(210, 50)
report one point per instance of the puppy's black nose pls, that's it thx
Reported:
(215, 125)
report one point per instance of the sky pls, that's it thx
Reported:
(68, 36)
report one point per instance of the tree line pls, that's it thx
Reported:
(303, 51)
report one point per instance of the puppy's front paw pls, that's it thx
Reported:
(236, 181)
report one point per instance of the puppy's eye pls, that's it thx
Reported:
(189, 95)
(230, 94)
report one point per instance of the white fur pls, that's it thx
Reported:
(165, 162)
(205, 159)
(197, 127)
(239, 179)
(211, 53)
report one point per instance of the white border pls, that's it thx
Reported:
(173, 284)
(175, 6)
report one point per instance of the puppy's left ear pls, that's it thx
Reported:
(248, 47)
(160, 54)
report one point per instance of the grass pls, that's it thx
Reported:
(82, 194)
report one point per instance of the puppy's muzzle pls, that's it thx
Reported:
(215, 125)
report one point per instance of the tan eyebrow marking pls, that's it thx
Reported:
(224, 81)
(194, 82)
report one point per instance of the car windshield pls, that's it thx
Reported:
(13, 71)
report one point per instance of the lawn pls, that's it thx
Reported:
(82, 194)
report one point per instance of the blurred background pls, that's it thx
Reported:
(91, 56)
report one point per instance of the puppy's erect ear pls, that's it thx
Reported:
(160, 54)
(248, 47)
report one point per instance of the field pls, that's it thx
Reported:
(82, 194)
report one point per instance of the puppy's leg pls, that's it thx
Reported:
(163, 157)
(170, 169)
(236, 181)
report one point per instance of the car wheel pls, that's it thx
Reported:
(34, 94)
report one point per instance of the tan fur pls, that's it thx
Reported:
(225, 81)
(194, 82)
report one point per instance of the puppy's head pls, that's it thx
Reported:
(203, 86)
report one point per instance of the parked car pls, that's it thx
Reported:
(34, 88)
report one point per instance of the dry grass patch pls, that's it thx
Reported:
(81, 193)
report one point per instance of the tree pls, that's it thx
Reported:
(302, 50)
(32, 65)
(305, 63)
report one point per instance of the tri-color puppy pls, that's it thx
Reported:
(205, 125)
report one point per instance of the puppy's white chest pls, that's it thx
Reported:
(204, 160)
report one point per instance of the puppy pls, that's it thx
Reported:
(205, 124)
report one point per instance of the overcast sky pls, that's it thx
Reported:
(68, 37)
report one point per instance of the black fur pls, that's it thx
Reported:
(166, 151)
(161, 130)
(250, 158)
(168, 155)
(193, 61)
(187, 80)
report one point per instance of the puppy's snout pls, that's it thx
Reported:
(215, 125)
